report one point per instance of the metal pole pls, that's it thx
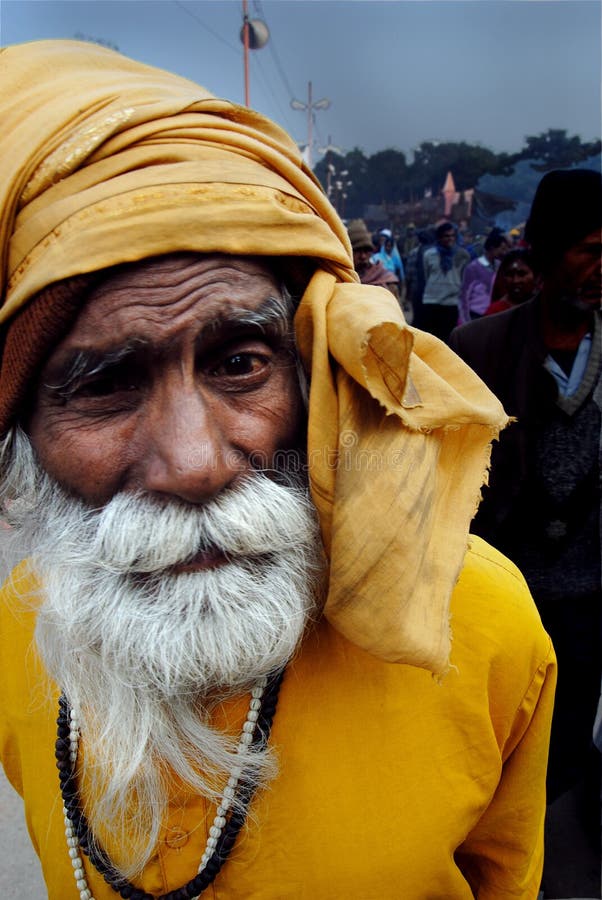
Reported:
(324, 103)
(245, 19)
(309, 124)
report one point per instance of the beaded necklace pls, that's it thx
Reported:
(222, 833)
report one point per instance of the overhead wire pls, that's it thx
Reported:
(280, 68)
(284, 112)
(204, 25)
(272, 45)
(258, 65)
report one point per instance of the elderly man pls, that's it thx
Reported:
(210, 680)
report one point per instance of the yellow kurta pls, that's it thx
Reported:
(391, 784)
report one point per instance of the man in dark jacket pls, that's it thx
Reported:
(542, 508)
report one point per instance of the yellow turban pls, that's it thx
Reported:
(106, 160)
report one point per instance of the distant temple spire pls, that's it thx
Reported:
(450, 194)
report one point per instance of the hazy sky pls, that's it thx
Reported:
(396, 73)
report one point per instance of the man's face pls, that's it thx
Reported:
(448, 238)
(577, 276)
(177, 379)
(361, 259)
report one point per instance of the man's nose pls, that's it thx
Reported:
(187, 452)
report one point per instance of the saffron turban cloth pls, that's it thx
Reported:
(106, 161)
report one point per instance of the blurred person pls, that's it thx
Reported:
(388, 253)
(478, 277)
(515, 237)
(414, 270)
(444, 266)
(466, 239)
(370, 269)
(388, 256)
(243, 488)
(516, 281)
(410, 241)
(543, 359)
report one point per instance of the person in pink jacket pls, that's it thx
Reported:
(479, 276)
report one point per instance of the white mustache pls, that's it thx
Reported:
(135, 533)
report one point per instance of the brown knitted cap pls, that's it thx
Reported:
(29, 339)
(360, 237)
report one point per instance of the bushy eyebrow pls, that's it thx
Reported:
(89, 363)
(273, 317)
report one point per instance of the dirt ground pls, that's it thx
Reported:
(20, 877)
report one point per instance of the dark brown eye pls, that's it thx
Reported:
(242, 364)
(239, 365)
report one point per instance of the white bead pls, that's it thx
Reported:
(219, 822)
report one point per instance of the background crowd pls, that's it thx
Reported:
(444, 275)
(522, 308)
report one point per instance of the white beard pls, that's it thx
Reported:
(141, 652)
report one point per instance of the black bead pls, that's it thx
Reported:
(181, 894)
(99, 859)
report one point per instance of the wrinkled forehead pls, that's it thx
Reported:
(161, 294)
(162, 273)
